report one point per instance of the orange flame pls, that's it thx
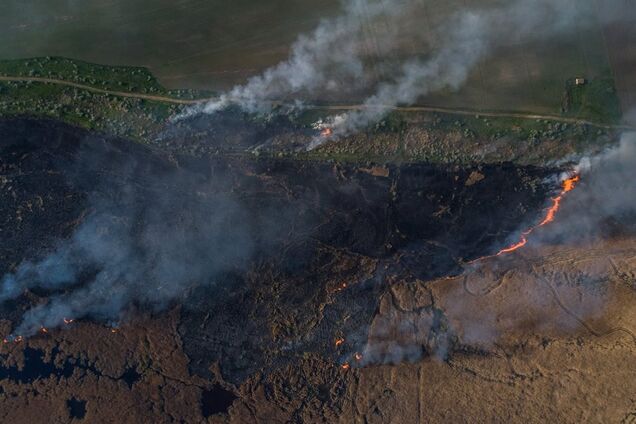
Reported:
(346, 366)
(68, 321)
(339, 342)
(358, 356)
(567, 186)
(327, 132)
(43, 330)
(340, 288)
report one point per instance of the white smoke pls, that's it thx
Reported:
(329, 59)
(606, 194)
(467, 37)
(334, 58)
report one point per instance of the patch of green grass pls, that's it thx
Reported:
(465, 139)
(400, 137)
(126, 117)
(112, 78)
(596, 100)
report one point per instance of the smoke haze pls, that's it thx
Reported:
(605, 199)
(155, 232)
(601, 206)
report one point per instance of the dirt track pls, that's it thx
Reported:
(450, 111)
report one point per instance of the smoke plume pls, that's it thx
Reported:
(156, 233)
(336, 57)
(604, 202)
(495, 298)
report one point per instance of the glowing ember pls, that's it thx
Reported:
(339, 342)
(113, 330)
(341, 287)
(327, 132)
(567, 186)
(346, 366)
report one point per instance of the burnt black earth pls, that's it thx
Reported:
(291, 231)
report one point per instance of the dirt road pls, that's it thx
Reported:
(343, 108)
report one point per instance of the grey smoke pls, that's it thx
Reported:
(329, 59)
(606, 197)
(466, 38)
(149, 243)
(332, 57)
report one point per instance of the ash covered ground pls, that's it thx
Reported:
(154, 285)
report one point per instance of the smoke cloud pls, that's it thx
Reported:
(156, 233)
(329, 59)
(466, 38)
(605, 200)
(495, 298)
(335, 56)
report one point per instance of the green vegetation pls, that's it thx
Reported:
(129, 117)
(134, 80)
(122, 116)
(401, 136)
(444, 138)
(209, 44)
(111, 78)
(595, 100)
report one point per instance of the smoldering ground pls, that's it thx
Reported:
(344, 55)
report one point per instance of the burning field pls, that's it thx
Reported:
(141, 286)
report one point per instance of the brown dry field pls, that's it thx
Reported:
(549, 336)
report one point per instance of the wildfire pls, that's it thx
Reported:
(345, 366)
(326, 132)
(43, 330)
(357, 356)
(567, 186)
(339, 342)
(68, 321)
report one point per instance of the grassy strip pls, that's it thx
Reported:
(112, 78)
(401, 136)
(126, 117)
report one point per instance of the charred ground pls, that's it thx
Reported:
(327, 239)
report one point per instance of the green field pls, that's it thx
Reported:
(128, 117)
(204, 44)
(213, 44)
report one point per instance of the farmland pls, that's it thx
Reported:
(193, 44)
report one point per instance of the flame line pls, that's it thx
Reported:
(567, 186)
